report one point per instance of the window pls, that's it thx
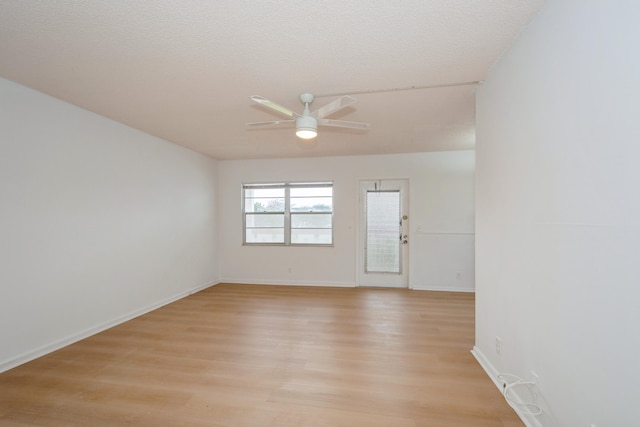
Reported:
(288, 214)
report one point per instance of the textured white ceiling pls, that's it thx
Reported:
(184, 70)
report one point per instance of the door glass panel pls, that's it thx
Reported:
(382, 245)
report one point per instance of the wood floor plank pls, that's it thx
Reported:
(246, 355)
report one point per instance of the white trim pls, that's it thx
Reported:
(492, 372)
(338, 284)
(445, 233)
(289, 283)
(57, 345)
(441, 288)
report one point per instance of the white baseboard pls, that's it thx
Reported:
(441, 288)
(290, 283)
(57, 345)
(336, 284)
(492, 372)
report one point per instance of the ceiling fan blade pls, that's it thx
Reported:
(332, 107)
(343, 124)
(276, 107)
(271, 123)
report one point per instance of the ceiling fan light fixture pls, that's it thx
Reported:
(306, 127)
(307, 123)
(306, 133)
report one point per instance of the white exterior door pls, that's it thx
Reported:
(383, 249)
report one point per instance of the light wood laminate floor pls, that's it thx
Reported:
(256, 356)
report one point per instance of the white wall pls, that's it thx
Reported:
(98, 222)
(441, 219)
(558, 212)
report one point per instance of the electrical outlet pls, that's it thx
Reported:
(498, 345)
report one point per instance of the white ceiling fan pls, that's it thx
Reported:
(307, 123)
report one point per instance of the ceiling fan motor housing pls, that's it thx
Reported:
(306, 127)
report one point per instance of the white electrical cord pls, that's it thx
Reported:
(530, 408)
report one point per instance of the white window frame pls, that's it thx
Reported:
(287, 186)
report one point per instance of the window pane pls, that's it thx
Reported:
(264, 199)
(311, 236)
(311, 204)
(264, 220)
(383, 232)
(263, 204)
(265, 235)
(310, 221)
(311, 192)
(274, 192)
